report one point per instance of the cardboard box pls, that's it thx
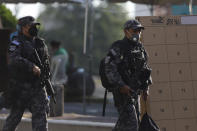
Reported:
(185, 125)
(153, 36)
(157, 54)
(180, 41)
(195, 89)
(175, 34)
(195, 107)
(160, 72)
(156, 21)
(160, 91)
(151, 20)
(184, 109)
(194, 71)
(161, 110)
(191, 33)
(182, 90)
(166, 125)
(178, 53)
(193, 52)
(180, 72)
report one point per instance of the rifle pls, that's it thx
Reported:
(139, 80)
(49, 88)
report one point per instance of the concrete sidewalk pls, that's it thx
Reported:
(78, 117)
(72, 121)
(68, 122)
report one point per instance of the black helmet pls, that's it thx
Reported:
(27, 20)
(133, 24)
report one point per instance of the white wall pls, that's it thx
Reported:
(142, 10)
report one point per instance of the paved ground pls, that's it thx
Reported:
(74, 111)
(71, 116)
(93, 112)
(94, 109)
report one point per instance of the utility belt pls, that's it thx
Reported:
(33, 83)
(133, 99)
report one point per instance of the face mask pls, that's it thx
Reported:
(33, 31)
(135, 38)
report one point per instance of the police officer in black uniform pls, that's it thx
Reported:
(26, 90)
(125, 62)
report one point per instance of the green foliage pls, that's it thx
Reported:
(8, 20)
(66, 24)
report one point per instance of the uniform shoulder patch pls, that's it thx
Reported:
(15, 42)
(14, 45)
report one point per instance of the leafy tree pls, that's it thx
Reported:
(8, 20)
(66, 24)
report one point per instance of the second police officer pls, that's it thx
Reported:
(125, 63)
(26, 91)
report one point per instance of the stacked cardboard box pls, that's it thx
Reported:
(171, 43)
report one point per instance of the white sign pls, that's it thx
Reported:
(189, 20)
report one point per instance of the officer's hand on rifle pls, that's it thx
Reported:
(125, 90)
(36, 70)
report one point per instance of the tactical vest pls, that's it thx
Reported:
(134, 69)
(133, 59)
(28, 52)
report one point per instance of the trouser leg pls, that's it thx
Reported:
(39, 121)
(127, 120)
(39, 105)
(125, 105)
(13, 119)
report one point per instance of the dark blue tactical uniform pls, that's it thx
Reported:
(26, 91)
(124, 61)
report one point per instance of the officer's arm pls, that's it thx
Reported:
(17, 60)
(111, 67)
